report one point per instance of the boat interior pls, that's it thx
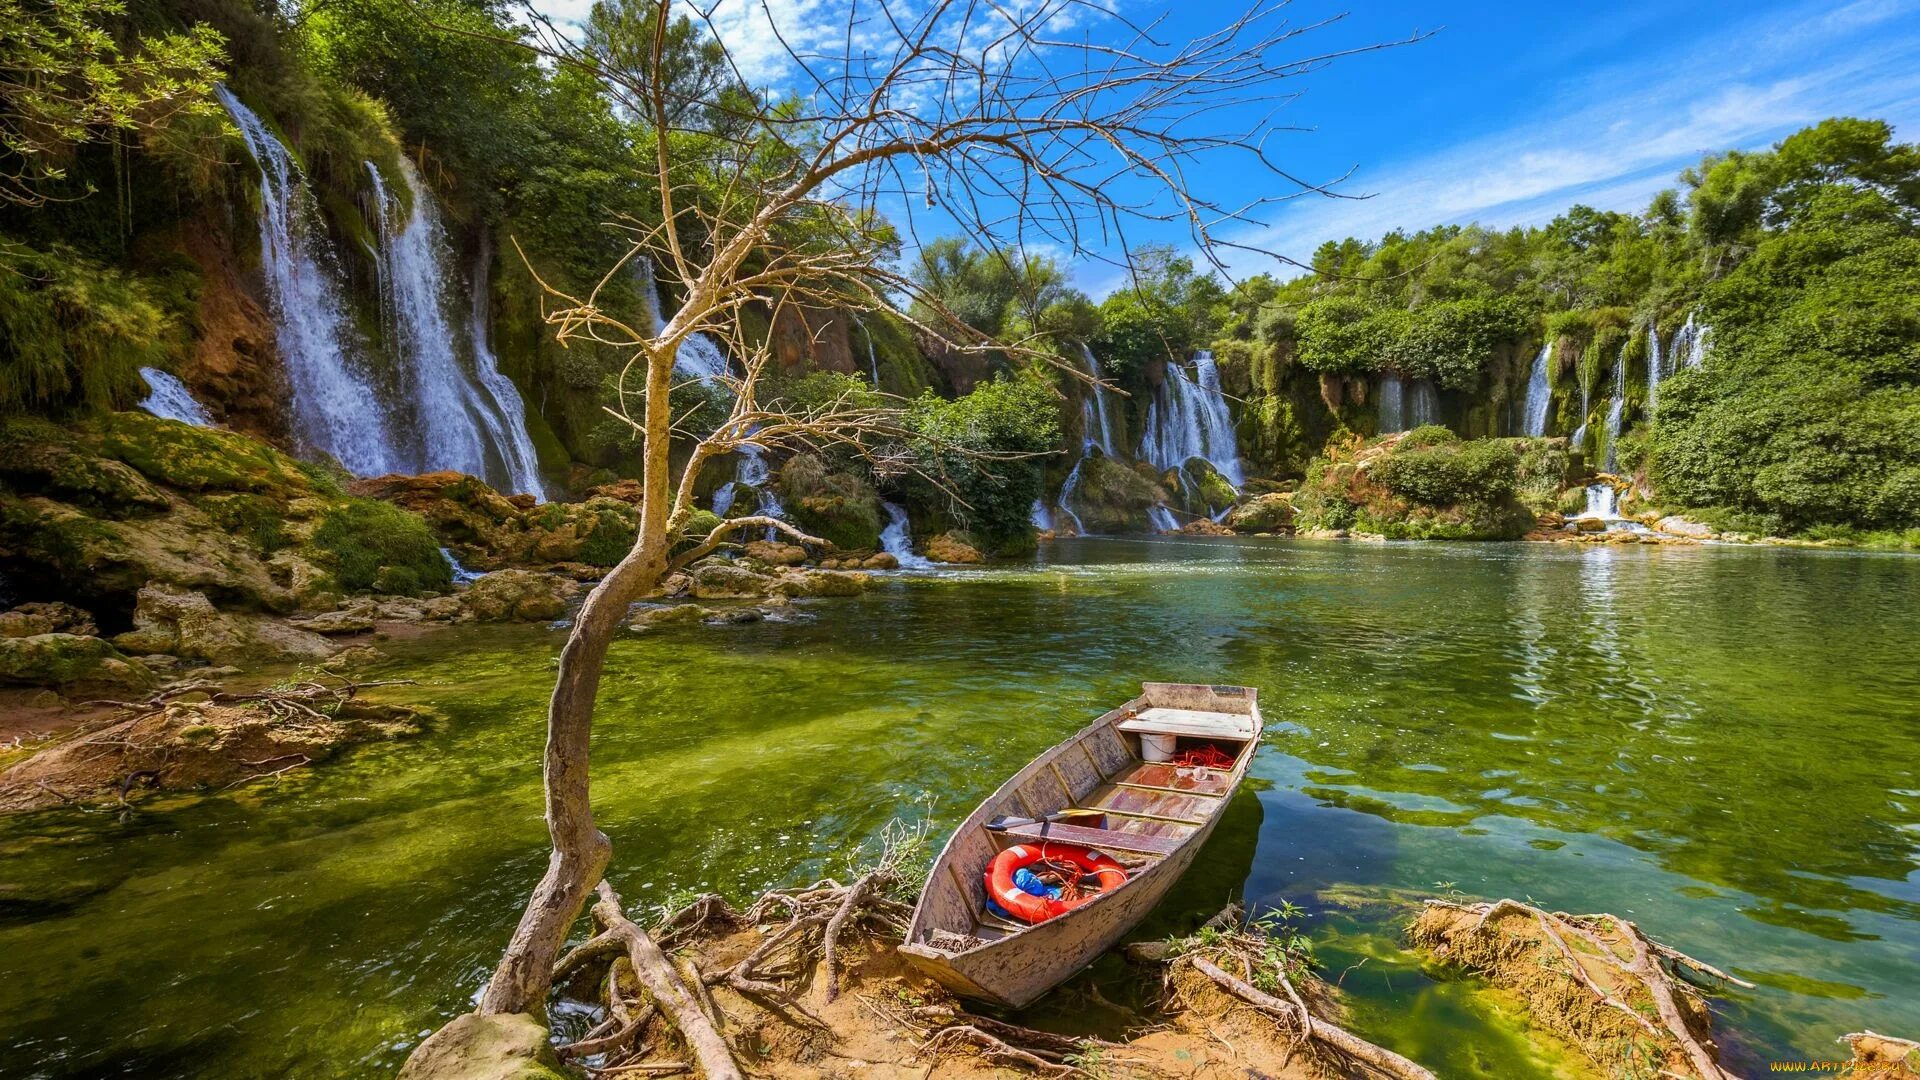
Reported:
(1118, 788)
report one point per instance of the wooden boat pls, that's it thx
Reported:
(1096, 790)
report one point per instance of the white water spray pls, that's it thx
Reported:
(1533, 417)
(169, 399)
(1189, 419)
(1616, 409)
(1393, 413)
(897, 539)
(334, 404)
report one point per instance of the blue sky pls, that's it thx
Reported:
(1509, 113)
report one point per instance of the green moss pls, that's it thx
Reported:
(195, 458)
(610, 533)
(260, 520)
(368, 545)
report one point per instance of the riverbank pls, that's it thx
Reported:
(1620, 729)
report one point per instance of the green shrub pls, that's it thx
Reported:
(1428, 435)
(76, 334)
(1484, 471)
(611, 534)
(372, 546)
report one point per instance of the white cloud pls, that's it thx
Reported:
(1614, 149)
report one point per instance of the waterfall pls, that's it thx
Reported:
(169, 399)
(1393, 415)
(333, 402)
(873, 358)
(1162, 519)
(701, 358)
(1603, 504)
(1616, 410)
(1533, 418)
(1426, 404)
(1653, 366)
(897, 538)
(1579, 437)
(1189, 419)
(471, 421)
(1041, 518)
(1690, 343)
(514, 443)
(461, 575)
(1097, 431)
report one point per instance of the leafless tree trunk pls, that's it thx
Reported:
(1014, 126)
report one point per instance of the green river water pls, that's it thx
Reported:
(1720, 743)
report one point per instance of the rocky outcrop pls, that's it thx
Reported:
(1427, 484)
(718, 579)
(71, 662)
(1113, 497)
(1263, 513)
(775, 553)
(29, 620)
(1675, 525)
(518, 596)
(512, 1046)
(952, 547)
(489, 531)
(99, 508)
(186, 624)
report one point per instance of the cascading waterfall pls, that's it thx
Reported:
(1616, 409)
(169, 399)
(334, 405)
(1425, 406)
(1653, 366)
(1042, 518)
(1579, 438)
(1393, 414)
(1162, 519)
(472, 421)
(1189, 419)
(1690, 343)
(700, 357)
(897, 538)
(1533, 419)
(873, 356)
(1097, 432)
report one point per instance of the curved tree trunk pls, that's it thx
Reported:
(580, 850)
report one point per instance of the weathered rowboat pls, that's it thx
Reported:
(1096, 790)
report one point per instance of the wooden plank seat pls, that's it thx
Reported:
(1193, 723)
(1164, 777)
(1153, 803)
(1098, 838)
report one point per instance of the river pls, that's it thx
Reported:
(1720, 743)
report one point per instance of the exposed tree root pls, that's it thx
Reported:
(1576, 971)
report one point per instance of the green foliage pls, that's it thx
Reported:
(372, 546)
(1166, 312)
(836, 504)
(611, 534)
(67, 78)
(1449, 342)
(981, 447)
(74, 333)
(1344, 335)
(1433, 488)
(1449, 473)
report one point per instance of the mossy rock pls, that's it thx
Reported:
(1113, 498)
(371, 546)
(70, 662)
(195, 458)
(512, 1046)
(41, 458)
(1263, 513)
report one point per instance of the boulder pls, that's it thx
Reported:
(185, 623)
(1205, 527)
(32, 620)
(73, 662)
(655, 617)
(355, 618)
(880, 560)
(509, 1046)
(952, 547)
(1263, 513)
(518, 596)
(1675, 525)
(821, 583)
(1589, 525)
(775, 553)
(720, 580)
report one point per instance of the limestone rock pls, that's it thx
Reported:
(952, 548)
(518, 596)
(70, 661)
(31, 620)
(185, 623)
(821, 583)
(512, 1046)
(1589, 525)
(880, 560)
(653, 618)
(1205, 527)
(775, 553)
(1675, 525)
(1263, 513)
(355, 618)
(718, 580)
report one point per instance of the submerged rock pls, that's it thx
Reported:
(654, 618)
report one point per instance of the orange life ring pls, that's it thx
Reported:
(1026, 906)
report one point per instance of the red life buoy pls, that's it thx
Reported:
(1082, 862)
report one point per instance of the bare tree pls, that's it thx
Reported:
(1055, 122)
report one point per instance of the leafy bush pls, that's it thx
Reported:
(372, 546)
(1484, 471)
(982, 448)
(74, 333)
(1451, 341)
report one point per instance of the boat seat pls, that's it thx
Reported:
(1139, 843)
(1192, 723)
(1153, 803)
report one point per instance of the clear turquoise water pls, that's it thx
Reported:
(1723, 744)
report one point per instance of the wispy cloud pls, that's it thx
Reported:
(1597, 144)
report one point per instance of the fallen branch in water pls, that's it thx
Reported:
(1605, 960)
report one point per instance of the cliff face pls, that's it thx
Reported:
(234, 365)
